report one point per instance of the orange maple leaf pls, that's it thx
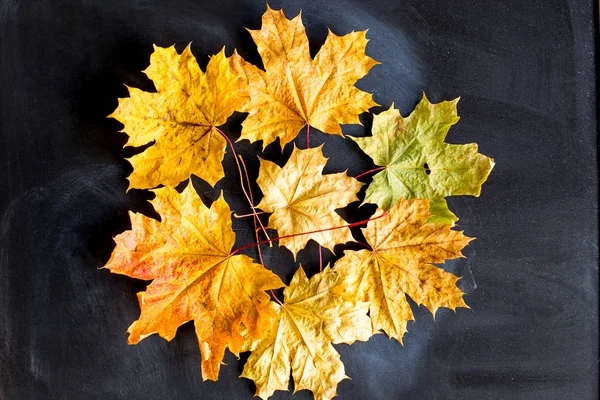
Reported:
(194, 276)
(295, 90)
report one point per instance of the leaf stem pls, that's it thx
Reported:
(364, 244)
(275, 297)
(254, 219)
(255, 213)
(368, 172)
(248, 198)
(307, 136)
(320, 259)
(249, 215)
(352, 225)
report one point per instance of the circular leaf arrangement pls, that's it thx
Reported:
(189, 255)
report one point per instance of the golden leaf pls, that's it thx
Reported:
(194, 276)
(403, 247)
(303, 200)
(300, 339)
(295, 90)
(181, 118)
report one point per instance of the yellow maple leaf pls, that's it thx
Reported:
(303, 200)
(403, 247)
(300, 339)
(194, 276)
(181, 118)
(295, 90)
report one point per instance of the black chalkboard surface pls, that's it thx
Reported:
(525, 73)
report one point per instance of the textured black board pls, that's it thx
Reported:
(525, 73)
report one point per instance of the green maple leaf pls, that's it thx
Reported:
(418, 164)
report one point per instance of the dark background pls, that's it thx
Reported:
(525, 74)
